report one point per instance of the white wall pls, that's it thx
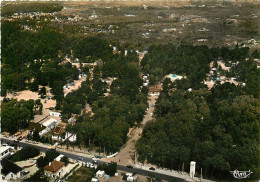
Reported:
(11, 175)
(52, 113)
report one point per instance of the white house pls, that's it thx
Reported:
(131, 178)
(71, 120)
(48, 126)
(94, 180)
(42, 132)
(55, 113)
(100, 174)
(73, 138)
(59, 157)
(55, 169)
(9, 171)
(51, 123)
(4, 151)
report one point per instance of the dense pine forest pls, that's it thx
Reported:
(217, 128)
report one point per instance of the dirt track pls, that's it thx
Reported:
(126, 154)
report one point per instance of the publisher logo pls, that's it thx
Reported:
(241, 174)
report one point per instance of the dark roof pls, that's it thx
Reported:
(59, 130)
(155, 89)
(36, 126)
(8, 166)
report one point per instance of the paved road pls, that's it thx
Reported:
(85, 159)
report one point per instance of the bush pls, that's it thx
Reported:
(65, 159)
(24, 154)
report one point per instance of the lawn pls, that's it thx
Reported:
(82, 174)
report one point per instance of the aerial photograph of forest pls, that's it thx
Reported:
(130, 90)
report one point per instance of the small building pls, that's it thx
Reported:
(94, 180)
(131, 178)
(100, 174)
(37, 127)
(51, 123)
(58, 133)
(9, 171)
(54, 169)
(59, 157)
(73, 138)
(155, 90)
(5, 151)
(55, 113)
(71, 120)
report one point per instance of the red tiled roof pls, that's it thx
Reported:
(54, 167)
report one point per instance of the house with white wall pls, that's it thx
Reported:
(54, 169)
(9, 171)
(5, 151)
(55, 113)
(51, 123)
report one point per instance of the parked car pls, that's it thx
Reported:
(152, 168)
(81, 159)
(25, 172)
(94, 159)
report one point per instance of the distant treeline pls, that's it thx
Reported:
(31, 7)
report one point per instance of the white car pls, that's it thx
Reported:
(94, 159)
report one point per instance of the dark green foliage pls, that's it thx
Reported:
(92, 47)
(36, 136)
(216, 128)
(42, 92)
(30, 59)
(38, 176)
(24, 154)
(114, 114)
(192, 61)
(65, 159)
(16, 115)
(49, 157)
(109, 168)
(41, 162)
(247, 72)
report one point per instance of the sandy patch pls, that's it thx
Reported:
(75, 87)
(25, 95)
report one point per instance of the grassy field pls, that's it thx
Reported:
(82, 174)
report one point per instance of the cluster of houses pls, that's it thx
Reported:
(12, 172)
(44, 127)
(9, 170)
(58, 130)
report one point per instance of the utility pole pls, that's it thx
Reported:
(200, 174)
